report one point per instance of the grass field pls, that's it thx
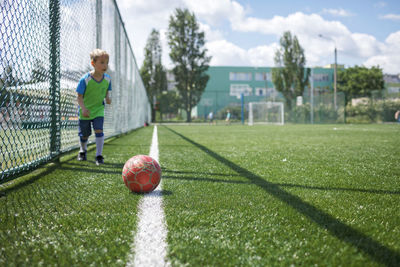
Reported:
(325, 195)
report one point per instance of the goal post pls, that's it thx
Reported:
(266, 113)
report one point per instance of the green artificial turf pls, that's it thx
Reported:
(281, 195)
(324, 195)
(74, 213)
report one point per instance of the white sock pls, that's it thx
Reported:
(83, 146)
(99, 145)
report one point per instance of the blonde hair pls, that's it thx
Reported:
(95, 54)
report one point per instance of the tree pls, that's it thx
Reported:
(169, 103)
(153, 74)
(8, 79)
(189, 56)
(39, 72)
(359, 81)
(290, 77)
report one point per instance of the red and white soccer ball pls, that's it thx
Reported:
(141, 174)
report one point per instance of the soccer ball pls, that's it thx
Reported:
(141, 174)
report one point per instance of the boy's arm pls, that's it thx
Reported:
(85, 111)
(108, 98)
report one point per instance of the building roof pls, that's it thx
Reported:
(389, 78)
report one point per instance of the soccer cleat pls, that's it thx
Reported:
(99, 160)
(82, 156)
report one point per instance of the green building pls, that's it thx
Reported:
(227, 83)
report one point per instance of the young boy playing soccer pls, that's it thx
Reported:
(92, 89)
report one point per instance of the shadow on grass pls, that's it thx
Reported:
(364, 243)
(372, 191)
(93, 165)
(199, 176)
(27, 181)
(70, 164)
(91, 170)
(165, 170)
(204, 179)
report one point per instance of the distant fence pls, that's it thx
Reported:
(44, 51)
(317, 107)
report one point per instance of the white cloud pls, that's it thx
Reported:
(337, 12)
(215, 11)
(389, 57)
(298, 22)
(395, 17)
(352, 47)
(141, 16)
(366, 44)
(210, 34)
(262, 55)
(226, 53)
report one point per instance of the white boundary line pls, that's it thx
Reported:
(150, 247)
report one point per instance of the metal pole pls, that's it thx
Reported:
(335, 81)
(312, 97)
(242, 100)
(54, 90)
(99, 22)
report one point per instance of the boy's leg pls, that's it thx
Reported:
(83, 143)
(84, 133)
(98, 129)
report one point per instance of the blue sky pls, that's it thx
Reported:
(247, 32)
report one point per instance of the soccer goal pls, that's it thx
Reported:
(266, 113)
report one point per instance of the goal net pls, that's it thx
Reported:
(266, 113)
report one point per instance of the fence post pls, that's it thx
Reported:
(99, 23)
(242, 105)
(312, 97)
(55, 122)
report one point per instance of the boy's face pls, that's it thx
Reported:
(101, 64)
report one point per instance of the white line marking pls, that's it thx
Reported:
(150, 247)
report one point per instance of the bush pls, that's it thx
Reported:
(373, 111)
(299, 114)
(322, 114)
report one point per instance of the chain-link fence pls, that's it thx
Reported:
(315, 107)
(44, 51)
(380, 107)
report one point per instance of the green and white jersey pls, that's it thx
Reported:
(93, 93)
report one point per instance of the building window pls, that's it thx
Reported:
(261, 91)
(238, 89)
(321, 77)
(268, 92)
(263, 76)
(240, 76)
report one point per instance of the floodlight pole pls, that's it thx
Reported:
(334, 71)
(335, 80)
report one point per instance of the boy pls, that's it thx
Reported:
(92, 89)
(228, 117)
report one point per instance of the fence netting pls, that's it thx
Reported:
(318, 107)
(44, 51)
